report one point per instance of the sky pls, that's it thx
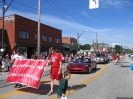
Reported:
(112, 21)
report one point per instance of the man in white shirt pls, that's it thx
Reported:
(18, 56)
(13, 53)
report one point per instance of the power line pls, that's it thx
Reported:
(77, 1)
(25, 5)
(33, 17)
(62, 9)
(42, 12)
(23, 12)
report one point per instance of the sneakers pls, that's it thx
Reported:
(50, 93)
(15, 86)
(18, 86)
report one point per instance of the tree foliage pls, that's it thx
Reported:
(118, 48)
(85, 47)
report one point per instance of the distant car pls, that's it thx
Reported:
(82, 65)
(101, 58)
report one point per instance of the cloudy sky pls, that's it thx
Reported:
(112, 21)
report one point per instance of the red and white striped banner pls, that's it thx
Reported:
(27, 72)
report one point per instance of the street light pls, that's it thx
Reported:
(78, 36)
(3, 13)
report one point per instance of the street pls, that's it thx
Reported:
(109, 81)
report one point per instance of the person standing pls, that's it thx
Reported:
(113, 58)
(0, 60)
(118, 59)
(18, 56)
(56, 68)
(33, 56)
(4, 64)
(61, 91)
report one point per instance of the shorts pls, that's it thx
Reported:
(54, 74)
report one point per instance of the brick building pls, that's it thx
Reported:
(22, 33)
(69, 45)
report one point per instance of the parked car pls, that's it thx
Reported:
(85, 65)
(101, 58)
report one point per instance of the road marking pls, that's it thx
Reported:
(14, 92)
(47, 80)
(68, 92)
(21, 92)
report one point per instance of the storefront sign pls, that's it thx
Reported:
(9, 18)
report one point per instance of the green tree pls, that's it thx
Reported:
(118, 48)
(85, 47)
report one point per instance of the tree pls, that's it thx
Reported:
(118, 48)
(85, 47)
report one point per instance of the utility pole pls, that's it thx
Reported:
(78, 41)
(4, 9)
(93, 46)
(38, 33)
(3, 12)
(96, 43)
(78, 36)
(121, 47)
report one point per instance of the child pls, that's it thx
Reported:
(4, 63)
(63, 85)
(113, 58)
(117, 60)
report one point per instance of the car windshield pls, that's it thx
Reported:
(100, 55)
(79, 60)
(82, 60)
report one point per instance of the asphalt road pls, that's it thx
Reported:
(107, 82)
(115, 83)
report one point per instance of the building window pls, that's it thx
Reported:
(35, 36)
(44, 38)
(24, 35)
(50, 39)
(57, 40)
(72, 44)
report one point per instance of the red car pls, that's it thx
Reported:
(82, 65)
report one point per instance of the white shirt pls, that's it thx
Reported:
(4, 63)
(18, 57)
(12, 56)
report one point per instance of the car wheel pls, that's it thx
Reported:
(95, 67)
(89, 70)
